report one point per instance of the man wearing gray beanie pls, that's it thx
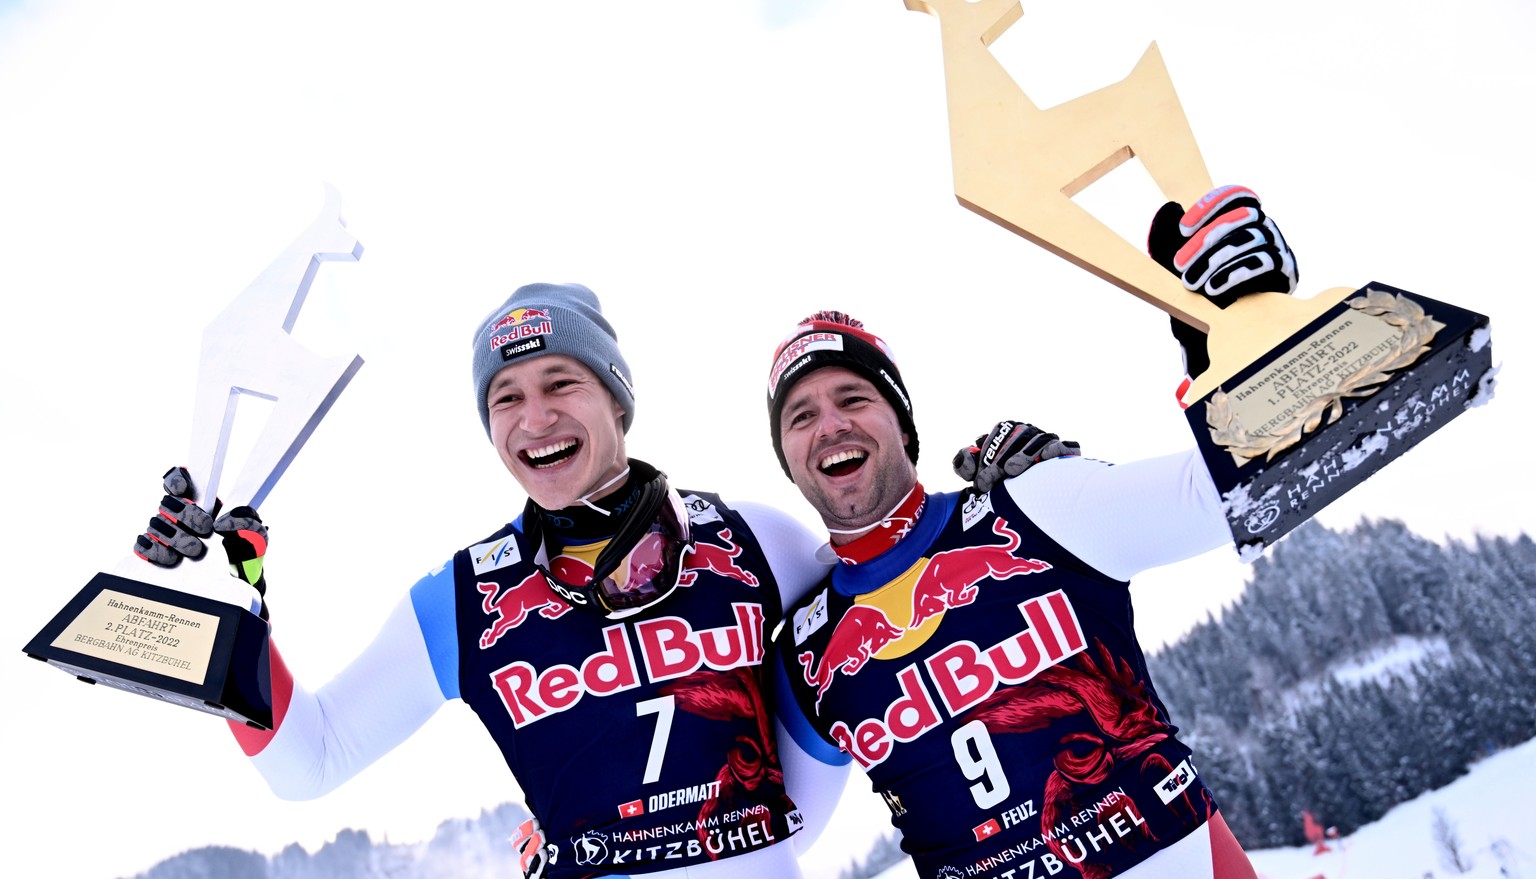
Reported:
(611, 638)
(551, 319)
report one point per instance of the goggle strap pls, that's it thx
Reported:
(654, 494)
(634, 526)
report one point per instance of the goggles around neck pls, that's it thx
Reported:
(640, 565)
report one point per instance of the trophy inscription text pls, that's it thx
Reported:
(146, 634)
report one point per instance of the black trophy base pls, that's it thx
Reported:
(168, 645)
(1268, 495)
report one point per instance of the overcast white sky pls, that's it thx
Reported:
(714, 171)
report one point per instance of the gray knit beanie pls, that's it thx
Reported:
(544, 319)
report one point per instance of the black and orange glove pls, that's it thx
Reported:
(1223, 247)
(533, 856)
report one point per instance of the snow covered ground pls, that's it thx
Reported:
(1483, 812)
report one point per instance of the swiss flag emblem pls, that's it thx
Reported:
(987, 830)
(633, 808)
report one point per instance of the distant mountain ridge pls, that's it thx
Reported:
(460, 848)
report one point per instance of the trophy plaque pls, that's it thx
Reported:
(189, 635)
(1305, 397)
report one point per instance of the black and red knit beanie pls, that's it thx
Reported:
(831, 338)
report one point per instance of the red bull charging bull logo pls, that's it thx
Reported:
(520, 316)
(948, 579)
(513, 605)
(861, 633)
(701, 556)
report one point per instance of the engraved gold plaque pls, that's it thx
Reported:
(144, 634)
(1305, 396)
(1349, 355)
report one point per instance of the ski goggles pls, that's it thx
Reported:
(641, 565)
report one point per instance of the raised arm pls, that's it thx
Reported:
(322, 738)
(1125, 518)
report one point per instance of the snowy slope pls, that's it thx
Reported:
(1484, 811)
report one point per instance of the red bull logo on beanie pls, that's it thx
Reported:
(520, 324)
(520, 316)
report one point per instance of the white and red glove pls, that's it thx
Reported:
(533, 856)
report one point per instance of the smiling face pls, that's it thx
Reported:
(846, 449)
(557, 429)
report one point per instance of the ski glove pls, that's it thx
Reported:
(178, 528)
(1011, 448)
(245, 545)
(532, 855)
(1224, 247)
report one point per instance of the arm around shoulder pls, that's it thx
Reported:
(791, 549)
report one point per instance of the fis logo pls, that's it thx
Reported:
(497, 554)
(810, 618)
